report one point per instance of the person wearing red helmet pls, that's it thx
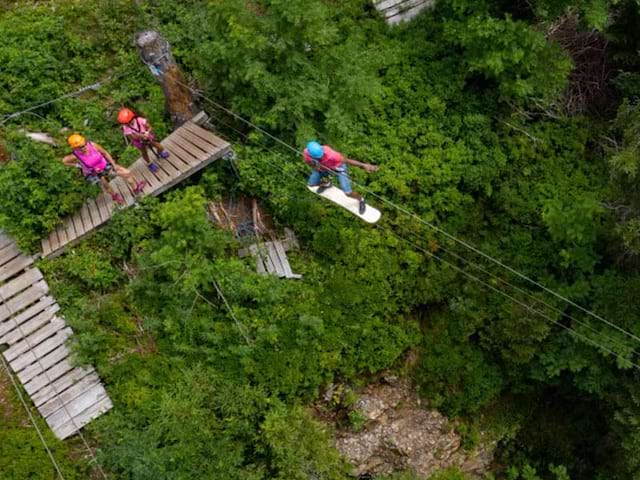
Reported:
(139, 131)
(98, 166)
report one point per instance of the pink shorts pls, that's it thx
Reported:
(139, 144)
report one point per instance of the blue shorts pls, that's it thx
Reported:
(341, 172)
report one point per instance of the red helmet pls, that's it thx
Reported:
(125, 116)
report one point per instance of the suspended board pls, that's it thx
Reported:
(337, 196)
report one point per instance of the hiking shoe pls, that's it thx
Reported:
(153, 166)
(164, 154)
(323, 186)
(118, 198)
(139, 187)
(362, 206)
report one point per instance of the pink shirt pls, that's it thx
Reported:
(92, 161)
(331, 159)
(140, 126)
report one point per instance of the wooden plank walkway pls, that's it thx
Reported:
(68, 397)
(397, 11)
(192, 148)
(271, 258)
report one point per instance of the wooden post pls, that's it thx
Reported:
(155, 52)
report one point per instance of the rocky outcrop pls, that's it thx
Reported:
(399, 434)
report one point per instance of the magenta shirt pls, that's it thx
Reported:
(331, 159)
(140, 126)
(92, 161)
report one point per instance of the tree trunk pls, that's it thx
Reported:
(155, 52)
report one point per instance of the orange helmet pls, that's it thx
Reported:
(76, 140)
(125, 115)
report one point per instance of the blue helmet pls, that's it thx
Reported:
(315, 150)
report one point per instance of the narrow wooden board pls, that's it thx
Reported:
(29, 327)
(105, 213)
(46, 246)
(337, 196)
(5, 240)
(43, 388)
(284, 260)
(266, 258)
(152, 181)
(70, 229)
(54, 241)
(187, 153)
(275, 260)
(45, 363)
(76, 218)
(24, 299)
(69, 428)
(206, 135)
(51, 375)
(169, 169)
(16, 265)
(176, 158)
(196, 141)
(94, 212)
(18, 284)
(67, 396)
(9, 253)
(62, 234)
(15, 354)
(120, 186)
(32, 311)
(80, 403)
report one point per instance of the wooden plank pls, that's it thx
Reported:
(54, 241)
(273, 255)
(94, 212)
(105, 213)
(70, 229)
(260, 268)
(86, 218)
(30, 343)
(32, 311)
(206, 135)
(45, 363)
(120, 185)
(5, 240)
(62, 234)
(284, 261)
(44, 381)
(16, 265)
(197, 142)
(31, 326)
(18, 284)
(76, 218)
(9, 253)
(175, 158)
(152, 181)
(24, 299)
(187, 154)
(67, 396)
(268, 263)
(44, 387)
(169, 169)
(79, 404)
(46, 246)
(69, 428)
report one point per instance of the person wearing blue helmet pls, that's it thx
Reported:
(326, 161)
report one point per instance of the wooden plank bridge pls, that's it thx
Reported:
(68, 397)
(192, 148)
(397, 11)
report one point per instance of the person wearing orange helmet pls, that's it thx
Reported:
(97, 166)
(139, 131)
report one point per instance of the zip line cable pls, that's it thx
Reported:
(515, 300)
(92, 87)
(619, 343)
(421, 220)
(497, 278)
(33, 420)
(64, 407)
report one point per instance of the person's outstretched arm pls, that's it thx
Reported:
(365, 166)
(70, 161)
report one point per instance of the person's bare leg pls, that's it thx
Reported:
(158, 146)
(127, 175)
(145, 154)
(106, 186)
